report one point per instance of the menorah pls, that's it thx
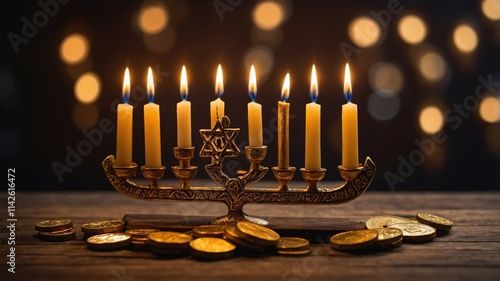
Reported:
(235, 192)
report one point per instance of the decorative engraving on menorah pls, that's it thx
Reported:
(235, 192)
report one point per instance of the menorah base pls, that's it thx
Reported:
(316, 229)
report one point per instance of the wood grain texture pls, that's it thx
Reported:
(471, 251)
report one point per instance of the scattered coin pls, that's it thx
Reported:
(292, 244)
(169, 242)
(100, 227)
(141, 232)
(354, 239)
(58, 236)
(393, 245)
(413, 232)
(437, 222)
(232, 235)
(211, 230)
(108, 241)
(54, 225)
(384, 221)
(257, 234)
(294, 253)
(389, 235)
(211, 248)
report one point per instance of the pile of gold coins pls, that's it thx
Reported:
(223, 241)
(56, 230)
(389, 232)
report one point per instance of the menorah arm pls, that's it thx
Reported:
(235, 195)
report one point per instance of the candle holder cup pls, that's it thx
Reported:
(284, 176)
(153, 175)
(235, 192)
(125, 172)
(184, 171)
(312, 177)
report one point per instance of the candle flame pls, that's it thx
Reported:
(126, 86)
(347, 84)
(151, 86)
(184, 84)
(314, 85)
(252, 85)
(285, 91)
(219, 83)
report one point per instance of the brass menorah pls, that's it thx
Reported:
(235, 192)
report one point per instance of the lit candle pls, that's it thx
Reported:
(349, 126)
(313, 127)
(124, 126)
(184, 115)
(283, 125)
(217, 105)
(254, 113)
(152, 141)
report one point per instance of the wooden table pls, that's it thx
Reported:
(471, 251)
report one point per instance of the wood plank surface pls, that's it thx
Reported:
(471, 251)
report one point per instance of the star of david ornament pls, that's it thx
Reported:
(219, 142)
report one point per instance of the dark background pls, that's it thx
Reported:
(37, 100)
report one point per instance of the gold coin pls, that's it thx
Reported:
(108, 241)
(141, 232)
(232, 235)
(292, 244)
(384, 221)
(388, 235)
(211, 248)
(169, 240)
(437, 222)
(212, 230)
(294, 253)
(57, 236)
(393, 245)
(257, 234)
(106, 226)
(54, 225)
(354, 239)
(413, 232)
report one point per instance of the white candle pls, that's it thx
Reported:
(217, 105)
(313, 127)
(124, 126)
(254, 113)
(350, 159)
(152, 139)
(184, 115)
(283, 125)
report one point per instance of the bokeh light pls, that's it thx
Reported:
(386, 78)
(87, 88)
(74, 49)
(489, 109)
(412, 29)
(153, 19)
(364, 32)
(263, 60)
(465, 38)
(431, 119)
(85, 116)
(432, 66)
(383, 107)
(268, 15)
(491, 9)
